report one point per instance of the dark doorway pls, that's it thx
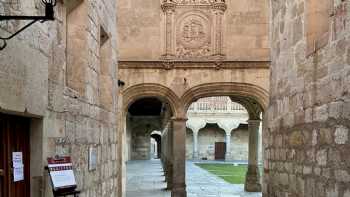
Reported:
(14, 138)
(220, 150)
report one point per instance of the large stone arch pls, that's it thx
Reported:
(255, 100)
(133, 93)
(242, 92)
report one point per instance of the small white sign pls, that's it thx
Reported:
(92, 158)
(18, 173)
(18, 167)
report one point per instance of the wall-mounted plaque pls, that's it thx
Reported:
(92, 158)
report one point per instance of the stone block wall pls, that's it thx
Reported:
(68, 116)
(239, 145)
(307, 144)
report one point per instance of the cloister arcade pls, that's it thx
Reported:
(169, 115)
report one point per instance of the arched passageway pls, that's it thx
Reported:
(254, 100)
(150, 107)
(157, 146)
(145, 119)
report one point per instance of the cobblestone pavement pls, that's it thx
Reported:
(145, 179)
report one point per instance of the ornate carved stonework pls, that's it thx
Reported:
(193, 29)
(193, 38)
(198, 2)
(194, 2)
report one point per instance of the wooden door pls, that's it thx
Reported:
(220, 150)
(14, 133)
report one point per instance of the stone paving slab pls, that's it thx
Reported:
(145, 179)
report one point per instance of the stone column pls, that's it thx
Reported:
(169, 162)
(228, 146)
(168, 8)
(179, 157)
(252, 182)
(219, 8)
(195, 145)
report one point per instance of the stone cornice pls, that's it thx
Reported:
(168, 65)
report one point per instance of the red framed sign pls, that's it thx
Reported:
(61, 173)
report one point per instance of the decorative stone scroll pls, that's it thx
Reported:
(193, 29)
(197, 123)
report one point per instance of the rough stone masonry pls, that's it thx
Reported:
(62, 75)
(307, 141)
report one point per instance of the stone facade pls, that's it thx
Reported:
(236, 30)
(211, 134)
(62, 76)
(307, 142)
(181, 51)
(212, 120)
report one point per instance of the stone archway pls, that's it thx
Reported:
(161, 92)
(129, 96)
(255, 100)
(157, 136)
(253, 92)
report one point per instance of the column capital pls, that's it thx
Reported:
(179, 119)
(168, 6)
(253, 121)
(220, 6)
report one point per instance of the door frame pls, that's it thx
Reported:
(15, 132)
(216, 156)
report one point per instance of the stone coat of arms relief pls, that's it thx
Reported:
(193, 37)
(193, 29)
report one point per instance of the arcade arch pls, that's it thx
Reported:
(172, 123)
(255, 100)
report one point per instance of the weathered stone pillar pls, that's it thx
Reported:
(179, 157)
(170, 158)
(252, 182)
(163, 158)
(219, 8)
(168, 8)
(228, 146)
(195, 145)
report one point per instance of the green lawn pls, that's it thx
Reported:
(228, 172)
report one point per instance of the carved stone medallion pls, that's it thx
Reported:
(189, 29)
(193, 37)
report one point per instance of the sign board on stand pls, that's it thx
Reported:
(62, 175)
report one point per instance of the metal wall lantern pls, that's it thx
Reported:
(49, 16)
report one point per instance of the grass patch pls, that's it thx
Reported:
(230, 173)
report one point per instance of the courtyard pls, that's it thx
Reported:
(146, 178)
(234, 174)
